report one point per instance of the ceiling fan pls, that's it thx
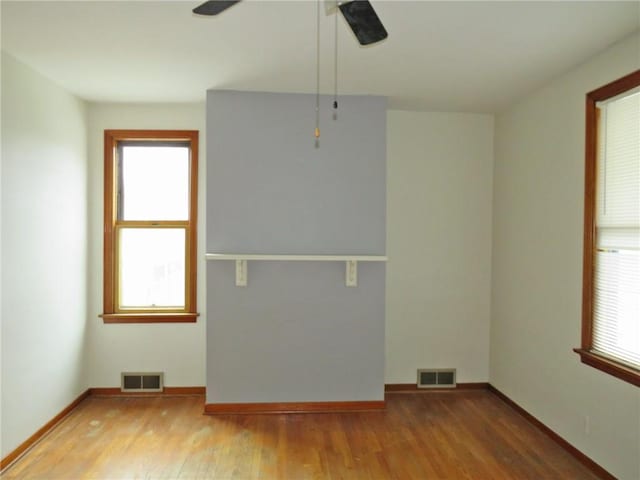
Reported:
(359, 14)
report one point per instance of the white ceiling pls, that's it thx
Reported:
(450, 56)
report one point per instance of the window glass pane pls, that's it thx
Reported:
(154, 182)
(616, 296)
(152, 267)
(619, 163)
(617, 305)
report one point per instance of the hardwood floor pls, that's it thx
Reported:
(434, 435)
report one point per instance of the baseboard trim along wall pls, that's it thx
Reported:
(412, 387)
(292, 407)
(577, 454)
(29, 442)
(115, 391)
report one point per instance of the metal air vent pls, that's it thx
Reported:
(142, 382)
(436, 377)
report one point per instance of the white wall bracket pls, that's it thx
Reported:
(351, 263)
(351, 279)
(241, 273)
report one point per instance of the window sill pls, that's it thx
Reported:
(149, 317)
(609, 366)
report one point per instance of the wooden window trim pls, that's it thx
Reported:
(587, 355)
(110, 315)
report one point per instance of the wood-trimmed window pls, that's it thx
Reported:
(150, 220)
(611, 263)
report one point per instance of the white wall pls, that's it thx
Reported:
(177, 349)
(439, 194)
(44, 250)
(537, 255)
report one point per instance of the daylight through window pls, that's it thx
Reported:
(150, 226)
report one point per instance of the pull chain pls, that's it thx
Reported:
(335, 69)
(317, 130)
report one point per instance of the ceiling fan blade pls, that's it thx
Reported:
(214, 7)
(364, 22)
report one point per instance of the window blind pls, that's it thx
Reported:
(616, 315)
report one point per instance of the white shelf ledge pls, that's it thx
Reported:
(351, 263)
(296, 258)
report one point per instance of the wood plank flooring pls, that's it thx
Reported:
(434, 435)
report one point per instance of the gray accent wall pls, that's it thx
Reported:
(296, 333)
(269, 190)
